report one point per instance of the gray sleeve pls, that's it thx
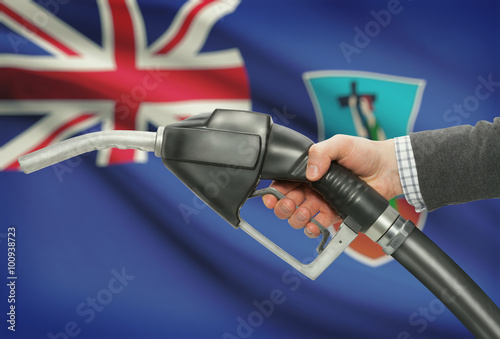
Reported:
(458, 164)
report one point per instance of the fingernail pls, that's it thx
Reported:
(300, 217)
(265, 200)
(284, 209)
(308, 232)
(312, 171)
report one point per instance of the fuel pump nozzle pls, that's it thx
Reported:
(252, 148)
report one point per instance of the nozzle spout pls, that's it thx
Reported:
(144, 141)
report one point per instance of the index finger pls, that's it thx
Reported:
(284, 187)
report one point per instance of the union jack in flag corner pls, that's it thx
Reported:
(112, 245)
(122, 76)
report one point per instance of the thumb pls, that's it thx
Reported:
(318, 162)
(323, 153)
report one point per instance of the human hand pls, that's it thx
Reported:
(373, 161)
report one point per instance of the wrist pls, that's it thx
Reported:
(391, 166)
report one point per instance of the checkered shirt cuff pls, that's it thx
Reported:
(408, 172)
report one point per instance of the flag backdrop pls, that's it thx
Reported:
(111, 245)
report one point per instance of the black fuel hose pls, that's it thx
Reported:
(354, 199)
(450, 284)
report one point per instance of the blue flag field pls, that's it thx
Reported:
(110, 244)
